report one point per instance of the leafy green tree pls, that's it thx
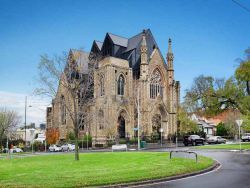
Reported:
(242, 73)
(246, 123)
(221, 130)
(186, 125)
(202, 96)
(8, 123)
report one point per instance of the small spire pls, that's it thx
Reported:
(144, 43)
(170, 46)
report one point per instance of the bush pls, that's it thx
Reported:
(99, 145)
(38, 146)
(86, 140)
(71, 136)
(133, 141)
(155, 137)
(221, 130)
(110, 143)
(122, 141)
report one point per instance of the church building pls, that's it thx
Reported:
(133, 89)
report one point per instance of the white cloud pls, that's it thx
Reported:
(36, 106)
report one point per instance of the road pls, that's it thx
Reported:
(234, 172)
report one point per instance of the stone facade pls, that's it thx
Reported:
(119, 81)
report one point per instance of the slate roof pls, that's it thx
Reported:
(99, 44)
(121, 41)
(130, 47)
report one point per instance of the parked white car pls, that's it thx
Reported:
(68, 147)
(55, 148)
(16, 150)
(245, 137)
(216, 140)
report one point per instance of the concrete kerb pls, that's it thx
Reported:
(215, 166)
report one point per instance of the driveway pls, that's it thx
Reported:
(234, 172)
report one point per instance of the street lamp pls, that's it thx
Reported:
(239, 123)
(161, 131)
(25, 117)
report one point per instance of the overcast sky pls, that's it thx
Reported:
(207, 37)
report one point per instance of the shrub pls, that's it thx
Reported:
(86, 140)
(221, 130)
(122, 141)
(99, 145)
(38, 146)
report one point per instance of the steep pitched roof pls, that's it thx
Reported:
(129, 47)
(118, 40)
(99, 44)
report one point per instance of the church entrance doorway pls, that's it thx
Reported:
(121, 127)
(156, 126)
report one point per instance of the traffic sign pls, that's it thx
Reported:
(239, 122)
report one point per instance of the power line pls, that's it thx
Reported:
(242, 6)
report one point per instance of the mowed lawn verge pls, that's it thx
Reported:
(225, 146)
(94, 169)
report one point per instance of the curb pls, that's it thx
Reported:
(161, 180)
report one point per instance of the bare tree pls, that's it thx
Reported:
(68, 79)
(8, 123)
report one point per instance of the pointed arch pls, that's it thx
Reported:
(101, 119)
(156, 84)
(120, 85)
(102, 88)
(122, 121)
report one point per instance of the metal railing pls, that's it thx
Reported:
(187, 152)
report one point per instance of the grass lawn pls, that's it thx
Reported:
(93, 169)
(225, 146)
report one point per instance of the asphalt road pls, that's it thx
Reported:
(234, 173)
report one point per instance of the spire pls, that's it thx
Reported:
(143, 43)
(170, 46)
(144, 57)
(170, 55)
(144, 49)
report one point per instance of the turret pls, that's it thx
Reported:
(170, 55)
(144, 58)
(170, 59)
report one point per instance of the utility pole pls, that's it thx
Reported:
(138, 118)
(25, 109)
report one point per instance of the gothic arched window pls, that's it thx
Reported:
(120, 85)
(156, 85)
(102, 85)
(101, 119)
(63, 110)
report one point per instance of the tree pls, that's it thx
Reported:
(221, 130)
(210, 96)
(246, 123)
(201, 98)
(242, 73)
(186, 124)
(52, 135)
(8, 123)
(67, 75)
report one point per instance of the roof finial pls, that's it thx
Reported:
(170, 46)
(143, 43)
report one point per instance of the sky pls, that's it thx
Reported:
(207, 38)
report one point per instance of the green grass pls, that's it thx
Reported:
(226, 146)
(94, 169)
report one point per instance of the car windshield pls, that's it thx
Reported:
(57, 145)
(195, 136)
